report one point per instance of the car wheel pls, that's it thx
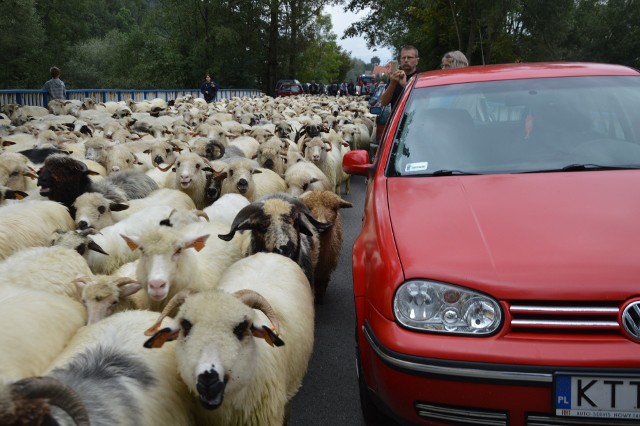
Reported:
(372, 415)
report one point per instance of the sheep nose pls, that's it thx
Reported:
(157, 284)
(285, 249)
(316, 158)
(210, 389)
(115, 168)
(269, 164)
(158, 159)
(83, 224)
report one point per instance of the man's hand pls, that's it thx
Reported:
(400, 77)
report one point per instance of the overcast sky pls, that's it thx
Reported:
(357, 46)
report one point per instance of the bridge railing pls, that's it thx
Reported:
(41, 98)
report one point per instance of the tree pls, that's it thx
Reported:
(21, 46)
(375, 61)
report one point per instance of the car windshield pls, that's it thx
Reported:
(519, 126)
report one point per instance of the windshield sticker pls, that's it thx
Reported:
(416, 167)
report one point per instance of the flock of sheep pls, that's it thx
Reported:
(160, 263)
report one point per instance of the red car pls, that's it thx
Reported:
(289, 89)
(497, 273)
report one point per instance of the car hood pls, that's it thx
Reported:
(527, 236)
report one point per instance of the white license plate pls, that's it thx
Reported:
(597, 396)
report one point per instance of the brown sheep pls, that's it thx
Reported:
(324, 206)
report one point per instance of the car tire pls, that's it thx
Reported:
(371, 413)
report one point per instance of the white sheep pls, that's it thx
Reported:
(328, 159)
(272, 155)
(303, 175)
(243, 176)
(118, 253)
(94, 210)
(36, 326)
(31, 224)
(356, 135)
(167, 265)
(120, 381)
(16, 172)
(191, 177)
(50, 269)
(105, 295)
(225, 350)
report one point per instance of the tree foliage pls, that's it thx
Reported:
(498, 31)
(253, 43)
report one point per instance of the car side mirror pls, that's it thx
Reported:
(357, 163)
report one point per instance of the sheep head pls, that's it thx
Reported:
(276, 222)
(63, 179)
(219, 327)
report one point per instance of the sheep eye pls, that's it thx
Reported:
(305, 186)
(186, 326)
(167, 151)
(178, 164)
(240, 330)
(230, 173)
(197, 166)
(102, 209)
(14, 174)
(115, 302)
(128, 160)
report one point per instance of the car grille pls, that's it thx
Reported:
(577, 317)
(461, 415)
(543, 420)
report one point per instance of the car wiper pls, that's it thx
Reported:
(446, 172)
(590, 166)
(582, 167)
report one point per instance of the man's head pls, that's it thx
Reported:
(454, 59)
(409, 59)
(55, 72)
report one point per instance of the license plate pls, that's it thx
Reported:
(597, 396)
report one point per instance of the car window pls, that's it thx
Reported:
(519, 126)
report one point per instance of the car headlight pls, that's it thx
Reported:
(431, 306)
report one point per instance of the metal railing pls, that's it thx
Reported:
(41, 98)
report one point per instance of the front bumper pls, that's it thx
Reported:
(445, 392)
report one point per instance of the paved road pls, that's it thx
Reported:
(329, 392)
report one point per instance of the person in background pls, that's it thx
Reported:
(454, 59)
(209, 89)
(313, 88)
(409, 58)
(351, 88)
(55, 86)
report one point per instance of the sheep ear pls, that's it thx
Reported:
(129, 289)
(116, 207)
(16, 195)
(197, 243)
(132, 242)
(95, 247)
(160, 337)
(267, 334)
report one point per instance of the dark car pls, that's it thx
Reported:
(496, 277)
(289, 89)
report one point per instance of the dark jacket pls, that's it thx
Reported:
(209, 90)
